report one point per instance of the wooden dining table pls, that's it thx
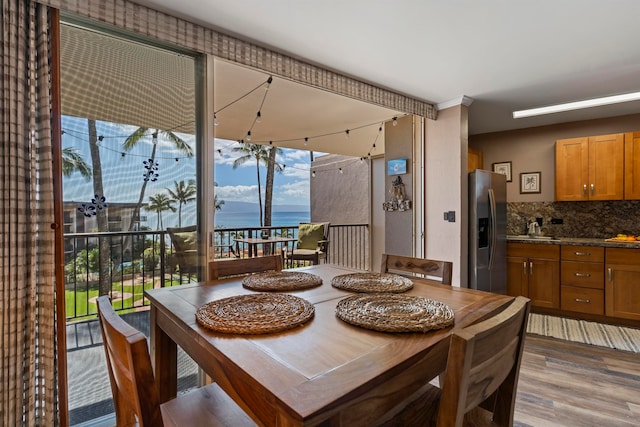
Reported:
(325, 372)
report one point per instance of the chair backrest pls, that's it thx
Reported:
(310, 233)
(428, 267)
(185, 246)
(483, 367)
(238, 266)
(130, 372)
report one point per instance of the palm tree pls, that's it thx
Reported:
(183, 194)
(101, 215)
(158, 204)
(72, 161)
(217, 203)
(272, 167)
(261, 155)
(133, 140)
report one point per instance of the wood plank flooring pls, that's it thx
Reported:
(564, 383)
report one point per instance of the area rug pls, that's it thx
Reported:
(594, 333)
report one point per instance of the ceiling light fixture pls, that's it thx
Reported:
(577, 105)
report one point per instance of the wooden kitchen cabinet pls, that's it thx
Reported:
(582, 279)
(590, 168)
(533, 271)
(474, 160)
(622, 283)
(632, 166)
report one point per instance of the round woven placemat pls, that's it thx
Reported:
(255, 313)
(372, 282)
(394, 312)
(281, 281)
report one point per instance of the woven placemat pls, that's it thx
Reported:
(281, 281)
(372, 282)
(255, 313)
(394, 312)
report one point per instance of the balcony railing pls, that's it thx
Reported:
(125, 264)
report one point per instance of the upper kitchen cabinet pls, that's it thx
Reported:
(632, 166)
(475, 160)
(590, 168)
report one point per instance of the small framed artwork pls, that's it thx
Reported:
(529, 182)
(503, 168)
(397, 167)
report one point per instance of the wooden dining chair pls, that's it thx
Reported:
(481, 377)
(135, 396)
(235, 267)
(428, 267)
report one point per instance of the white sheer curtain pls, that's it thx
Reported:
(27, 320)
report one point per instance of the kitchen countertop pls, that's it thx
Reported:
(573, 241)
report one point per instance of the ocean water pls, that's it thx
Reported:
(252, 219)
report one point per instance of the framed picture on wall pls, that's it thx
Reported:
(397, 167)
(529, 182)
(503, 168)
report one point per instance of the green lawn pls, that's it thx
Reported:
(80, 306)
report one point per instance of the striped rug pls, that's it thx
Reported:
(600, 334)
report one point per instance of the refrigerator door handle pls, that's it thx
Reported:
(493, 227)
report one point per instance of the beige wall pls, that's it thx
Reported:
(340, 197)
(533, 150)
(399, 235)
(445, 157)
(378, 195)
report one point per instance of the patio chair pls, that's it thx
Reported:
(234, 267)
(481, 378)
(185, 248)
(312, 244)
(426, 267)
(135, 394)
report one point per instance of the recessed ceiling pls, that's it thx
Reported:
(505, 55)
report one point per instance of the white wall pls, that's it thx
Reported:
(445, 160)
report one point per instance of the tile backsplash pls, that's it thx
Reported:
(579, 219)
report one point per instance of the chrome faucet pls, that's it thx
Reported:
(534, 228)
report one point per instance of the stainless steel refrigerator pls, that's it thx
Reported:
(488, 231)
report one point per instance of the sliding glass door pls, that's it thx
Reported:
(132, 206)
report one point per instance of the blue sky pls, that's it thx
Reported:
(123, 175)
(290, 187)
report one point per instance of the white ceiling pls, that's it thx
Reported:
(504, 54)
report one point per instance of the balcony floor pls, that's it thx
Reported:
(89, 388)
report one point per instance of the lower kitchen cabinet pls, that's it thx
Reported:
(582, 279)
(533, 270)
(622, 283)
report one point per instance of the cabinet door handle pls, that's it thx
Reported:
(583, 275)
(610, 272)
(531, 267)
(584, 189)
(582, 253)
(524, 268)
(593, 187)
(583, 300)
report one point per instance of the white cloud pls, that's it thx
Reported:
(297, 170)
(238, 193)
(295, 155)
(295, 193)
